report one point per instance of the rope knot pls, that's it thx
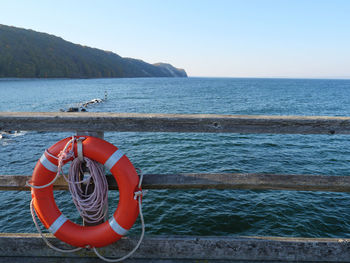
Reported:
(138, 194)
(65, 155)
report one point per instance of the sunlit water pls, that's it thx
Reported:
(198, 212)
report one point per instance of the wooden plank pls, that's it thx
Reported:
(142, 122)
(211, 249)
(212, 181)
(248, 181)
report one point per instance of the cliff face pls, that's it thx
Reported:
(169, 69)
(29, 54)
(158, 69)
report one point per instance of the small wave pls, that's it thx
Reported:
(9, 134)
(19, 133)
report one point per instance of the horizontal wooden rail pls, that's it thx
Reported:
(30, 248)
(138, 122)
(213, 181)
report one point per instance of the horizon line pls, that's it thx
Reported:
(267, 77)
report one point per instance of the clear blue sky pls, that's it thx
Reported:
(224, 38)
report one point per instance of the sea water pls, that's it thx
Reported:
(197, 212)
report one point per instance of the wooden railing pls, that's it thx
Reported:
(30, 248)
(138, 122)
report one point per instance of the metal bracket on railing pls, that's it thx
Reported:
(99, 134)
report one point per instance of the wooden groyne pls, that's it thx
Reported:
(30, 247)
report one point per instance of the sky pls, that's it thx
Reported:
(208, 38)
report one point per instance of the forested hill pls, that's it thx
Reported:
(29, 54)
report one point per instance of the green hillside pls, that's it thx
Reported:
(29, 54)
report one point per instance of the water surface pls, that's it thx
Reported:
(198, 212)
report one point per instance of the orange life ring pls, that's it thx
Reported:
(64, 229)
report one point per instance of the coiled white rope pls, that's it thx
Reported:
(93, 206)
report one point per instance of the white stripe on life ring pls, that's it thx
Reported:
(116, 227)
(57, 224)
(113, 159)
(47, 164)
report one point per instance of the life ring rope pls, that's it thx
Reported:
(114, 160)
(47, 242)
(138, 195)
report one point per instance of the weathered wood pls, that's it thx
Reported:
(212, 181)
(139, 122)
(248, 181)
(212, 249)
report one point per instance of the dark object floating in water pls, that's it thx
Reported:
(73, 109)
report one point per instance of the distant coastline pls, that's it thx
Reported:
(29, 54)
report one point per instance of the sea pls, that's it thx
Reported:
(196, 212)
